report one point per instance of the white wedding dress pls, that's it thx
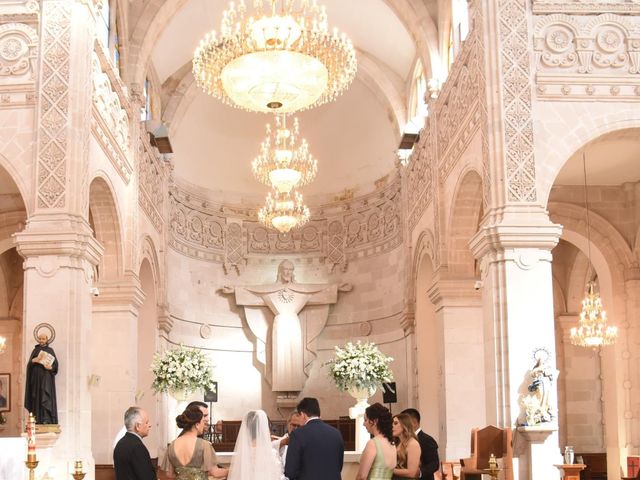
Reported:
(254, 457)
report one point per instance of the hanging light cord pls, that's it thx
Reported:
(586, 204)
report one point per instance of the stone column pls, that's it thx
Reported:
(57, 244)
(517, 299)
(58, 274)
(459, 317)
(114, 389)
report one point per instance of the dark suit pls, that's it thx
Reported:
(131, 459)
(316, 452)
(429, 461)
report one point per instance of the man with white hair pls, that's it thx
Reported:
(131, 458)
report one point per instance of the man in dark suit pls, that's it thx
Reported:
(316, 450)
(131, 458)
(429, 461)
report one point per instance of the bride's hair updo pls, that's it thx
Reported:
(252, 424)
(191, 416)
(381, 416)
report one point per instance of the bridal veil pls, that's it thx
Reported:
(254, 457)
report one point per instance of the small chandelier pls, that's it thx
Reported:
(592, 330)
(281, 58)
(284, 211)
(284, 162)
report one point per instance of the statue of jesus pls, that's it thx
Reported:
(286, 299)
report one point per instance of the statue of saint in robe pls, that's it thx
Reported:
(40, 386)
(290, 337)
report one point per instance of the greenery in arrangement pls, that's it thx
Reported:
(361, 366)
(182, 369)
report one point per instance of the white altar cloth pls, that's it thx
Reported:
(14, 454)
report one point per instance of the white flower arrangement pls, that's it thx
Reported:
(181, 369)
(359, 366)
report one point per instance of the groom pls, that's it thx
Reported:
(316, 450)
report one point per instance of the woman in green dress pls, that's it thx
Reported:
(188, 456)
(379, 455)
(408, 448)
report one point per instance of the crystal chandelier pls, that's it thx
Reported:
(592, 329)
(284, 211)
(279, 58)
(284, 162)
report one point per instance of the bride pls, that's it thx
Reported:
(254, 456)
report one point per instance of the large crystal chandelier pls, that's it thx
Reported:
(279, 58)
(284, 211)
(592, 329)
(284, 162)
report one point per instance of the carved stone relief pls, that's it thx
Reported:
(112, 120)
(589, 57)
(54, 104)
(151, 185)
(586, 6)
(516, 92)
(363, 226)
(18, 53)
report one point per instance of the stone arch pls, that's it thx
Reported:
(149, 252)
(466, 212)
(105, 221)
(586, 128)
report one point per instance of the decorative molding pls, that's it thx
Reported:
(12, 96)
(150, 182)
(587, 58)
(339, 232)
(111, 121)
(515, 62)
(587, 7)
(18, 53)
(54, 104)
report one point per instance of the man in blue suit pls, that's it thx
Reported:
(316, 450)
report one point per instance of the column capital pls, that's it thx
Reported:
(455, 292)
(124, 295)
(540, 234)
(59, 235)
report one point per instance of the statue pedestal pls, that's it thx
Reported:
(357, 413)
(541, 449)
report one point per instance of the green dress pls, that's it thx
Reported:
(379, 469)
(203, 458)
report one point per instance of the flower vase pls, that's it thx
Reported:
(356, 412)
(181, 395)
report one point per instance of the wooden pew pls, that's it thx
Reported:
(484, 442)
(596, 466)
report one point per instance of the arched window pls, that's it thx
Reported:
(107, 30)
(417, 110)
(145, 109)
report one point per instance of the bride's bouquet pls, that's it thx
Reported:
(181, 369)
(359, 366)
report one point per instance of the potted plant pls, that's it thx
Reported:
(359, 368)
(181, 371)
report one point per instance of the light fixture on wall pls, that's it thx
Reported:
(592, 330)
(280, 57)
(284, 211)
(284, 162)
(3, 345)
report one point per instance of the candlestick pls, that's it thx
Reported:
(78, 474)
(31, 439)
(31, 465)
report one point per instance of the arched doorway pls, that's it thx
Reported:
(596, 388)
(13, 216)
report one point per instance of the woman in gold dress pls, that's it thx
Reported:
(188, 456)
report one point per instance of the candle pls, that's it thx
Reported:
(31, 438)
